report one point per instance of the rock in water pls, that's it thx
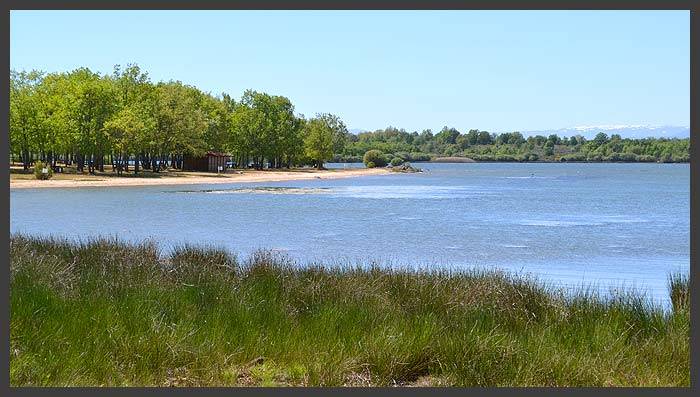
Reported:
(405, 167)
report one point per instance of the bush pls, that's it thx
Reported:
(374, 157)
(573, 157)
(39, 171)
(404, 155)
(418, 156)
(483, 157)
(505, 157)
(396, 161)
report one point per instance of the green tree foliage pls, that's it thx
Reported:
(318, 142)
(447, 136)
(84, 118)
(512, 146)
(26, 116)
(87, 119)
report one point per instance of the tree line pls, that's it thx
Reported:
(86, 119)
(512, 146)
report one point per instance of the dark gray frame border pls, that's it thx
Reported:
(349, 5)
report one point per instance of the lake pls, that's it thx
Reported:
(610, 225)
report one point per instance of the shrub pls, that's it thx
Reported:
(396, 161)
(505, 157)
(39, 171)
(628, 157)
(375, 157)
(404, 155)
(573, 157)
(483, 157)
(418, 156)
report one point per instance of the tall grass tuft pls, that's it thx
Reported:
(679, 289)
(107, 313)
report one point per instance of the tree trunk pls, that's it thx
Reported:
(25, 159)
(80, 160)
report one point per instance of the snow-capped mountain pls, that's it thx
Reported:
(356, 130)
(590, 131)
(625, 131)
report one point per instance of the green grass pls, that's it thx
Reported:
(107, 313)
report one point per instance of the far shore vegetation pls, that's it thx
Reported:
(123, 122)
(107, 313)
(451, 145)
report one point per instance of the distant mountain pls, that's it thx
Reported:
(356, 130)
(625, 131)
(590, 131)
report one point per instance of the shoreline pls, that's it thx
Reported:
(471, 161)
(195, 178)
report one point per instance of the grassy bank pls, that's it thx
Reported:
(107, 313)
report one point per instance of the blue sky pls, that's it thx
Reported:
(492, 70)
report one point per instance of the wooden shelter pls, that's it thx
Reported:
(210, 162)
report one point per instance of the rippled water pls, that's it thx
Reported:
(608, 224)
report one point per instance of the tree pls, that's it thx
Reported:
(318, 143)
(447, 136)
(135, 119)
(25, 113)
(180, 122)
(600, 139)
(484, 138)
(338, 129)
(549, 148)
(473, 137)
(554, 138)
(252, 128)
(92, 102)
(127, 131)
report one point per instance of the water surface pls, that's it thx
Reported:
(609, 224)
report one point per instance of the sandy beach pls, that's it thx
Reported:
(193, 178)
